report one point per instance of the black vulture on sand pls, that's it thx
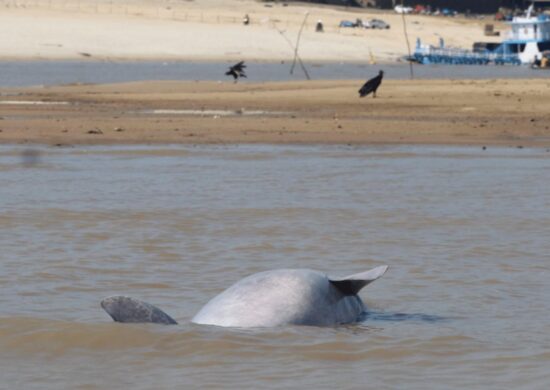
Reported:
(236, 71)
(371, 85)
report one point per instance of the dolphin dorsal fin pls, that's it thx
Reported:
(352, 284)
(131, 310)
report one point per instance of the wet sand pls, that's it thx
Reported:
(481, 112)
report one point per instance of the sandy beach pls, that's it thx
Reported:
(493, 112)
(213, 30)
(484, 112)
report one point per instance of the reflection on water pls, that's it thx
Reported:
(465, 231)
(30, 157)
(396, 317)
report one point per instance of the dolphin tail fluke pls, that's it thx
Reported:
(131, 310)
(352, 284)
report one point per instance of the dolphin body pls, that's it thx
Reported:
(267, 299)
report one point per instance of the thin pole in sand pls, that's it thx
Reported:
(292, 47)
(407, 39)
(296, 50)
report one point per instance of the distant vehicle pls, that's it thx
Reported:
(347, 23)
(402, 9)
(377, 24)
(422, 9)
(448, 12)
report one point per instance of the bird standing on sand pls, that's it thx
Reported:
(371, 85)
(236, 71)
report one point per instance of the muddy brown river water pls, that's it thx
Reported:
(466, 233)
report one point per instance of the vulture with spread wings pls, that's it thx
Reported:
(371, 85)
(236, 71)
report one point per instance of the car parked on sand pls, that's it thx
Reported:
(402, 10)
(376, 24)
(348, 23)
(448, 12)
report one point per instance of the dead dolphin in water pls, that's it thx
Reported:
(267, 299)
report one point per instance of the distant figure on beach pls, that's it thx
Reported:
(319, 26)
(246, 20)
(236, 71)
(371, 85)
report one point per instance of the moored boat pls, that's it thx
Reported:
(528, 38)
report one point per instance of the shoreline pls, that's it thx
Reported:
(51, 73)
(99, 60)
(422, 112)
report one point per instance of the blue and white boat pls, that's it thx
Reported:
(527, 39)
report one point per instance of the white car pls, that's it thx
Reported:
(402, 9)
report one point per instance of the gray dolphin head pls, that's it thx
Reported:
(289, 297)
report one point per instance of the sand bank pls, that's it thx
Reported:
(211, 30)
(489, 112)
